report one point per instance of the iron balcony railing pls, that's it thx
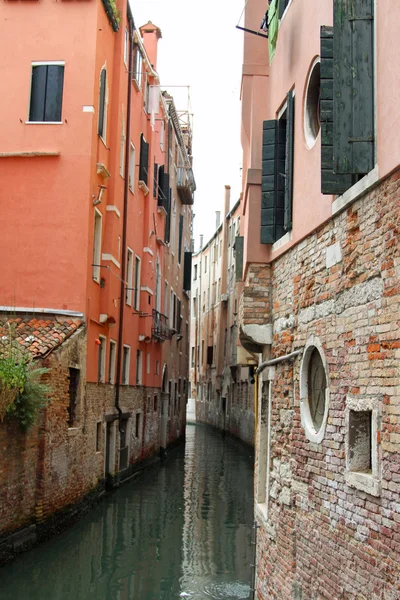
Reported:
(185, 184)
(160, 330)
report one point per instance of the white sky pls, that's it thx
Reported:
(201, 48)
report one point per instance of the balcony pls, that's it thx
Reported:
(185, 184)
(160, 330)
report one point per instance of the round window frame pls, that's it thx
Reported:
(309, 137)
(312, 434)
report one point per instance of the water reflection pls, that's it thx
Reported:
(181, 530)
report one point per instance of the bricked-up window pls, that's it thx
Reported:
(316, 389)
(360, 441)
(46, 92)
(74, 375)
(98, 436)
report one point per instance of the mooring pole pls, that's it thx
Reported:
(253, 565)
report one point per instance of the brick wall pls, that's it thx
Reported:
(324, 538)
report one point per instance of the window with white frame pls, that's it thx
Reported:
(136, 299)
(97, 245)
(139, 367)
(129, 279)
(47, 83)
(314, 390)
(132, 158)
(137, 66)
(126, 47)
(122, 146)
(173, 227)
(101, 359)
(126, 364)
(166, 298)
(111, 362)
(102, 123)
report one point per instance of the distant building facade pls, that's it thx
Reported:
(220, 368)
(85, 164)
(320, 296)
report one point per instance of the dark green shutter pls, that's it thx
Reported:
(331, 183)
(239, 249)
(155, 180)
(353, 86)
(187, 271)
(144, 159)
(38, 93)
(282, 7)
(268, 181)
(287, 224)
(180, 238)
(102, 101)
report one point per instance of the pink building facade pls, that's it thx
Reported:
(320, 297)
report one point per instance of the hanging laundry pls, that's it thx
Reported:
(273, 27)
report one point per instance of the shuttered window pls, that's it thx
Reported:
(282, 7)
(102, 104)
(347, 95)
(144, 160)
(155, 180)
(180, 235)
(277, 175)
(46, 93)
(168, 219)
(187, 271)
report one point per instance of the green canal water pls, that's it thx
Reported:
(181, 530)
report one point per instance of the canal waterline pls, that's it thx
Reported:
(180, 530)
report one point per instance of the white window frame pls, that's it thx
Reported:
(138, 68)
(136, 295)
(139, 367)
(44, 63)
(126, 47)
(111, 363)
(132, 160)
(129, 280)
(126, 364)
(103, 349)
(97, 238)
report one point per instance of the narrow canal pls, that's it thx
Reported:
(181, 530)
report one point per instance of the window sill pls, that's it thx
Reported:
(44, 123)
(366, 482)
(285, 239)
(355, 191)
(72, 431)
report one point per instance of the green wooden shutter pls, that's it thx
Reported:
(331, 183)
(155, 180)
(287, 224)
(187, 271)
(102, 101)
(353, 86)
(144, 160)
(268, 181)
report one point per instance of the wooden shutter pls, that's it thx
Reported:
(268, 181)
(102, 102)
(144, 159)
(180, 238)
(353, 86)
(54, 92)
(288, 203)
(155, 180)
(168, 209)
(187, 271)
(331, 183)
(38, 93)
(178, 316)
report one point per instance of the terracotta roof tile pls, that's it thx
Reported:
(38, 336)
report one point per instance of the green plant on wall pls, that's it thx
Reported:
(22, 390)
(111, 9)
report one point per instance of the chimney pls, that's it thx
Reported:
(217, 218)
(227, 200)
(151, 34)
(201, 241)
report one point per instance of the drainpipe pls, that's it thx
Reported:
(124, 228)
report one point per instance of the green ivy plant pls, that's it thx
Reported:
(22, 390)
(115, 10)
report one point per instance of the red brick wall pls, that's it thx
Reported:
(325, 539)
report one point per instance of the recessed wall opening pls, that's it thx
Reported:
(312, 123)
(360, 441)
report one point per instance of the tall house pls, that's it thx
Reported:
(320, 294)
(221, 370)
(85, 148)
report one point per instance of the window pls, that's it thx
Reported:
(312, 122)
(166, 298)
(362, 419)
(111, 363)
(126, 360)
(132, 159)
(157, 367)
(162, 129)
(97, 246)
(155, 403)
(126, 47)
(98, 436)
(173, 227)
(139, 367)
(282, 7)
(137, 65)
(148, 366)
(192, 360)
(124, 444)
(101, 360)
(277, 175)
(194, 306)
(144, 160)
(180, 234)
(122, 146)
(136, 301)
(347, 97)
(314, 394)
(102, 104)
(155, 180)
(195, 273)
(137, 425)
(46, 92)
(129, 282)
(205, 264)
(74, 376)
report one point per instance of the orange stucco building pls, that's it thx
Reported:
(86, 213)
